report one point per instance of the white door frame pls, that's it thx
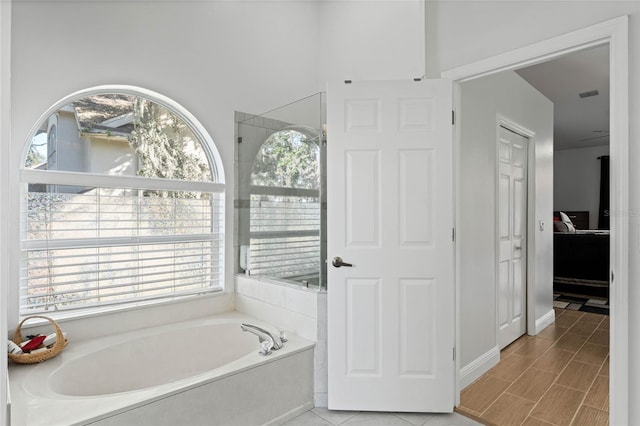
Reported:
(503, 121)
(615, 33)
(5, 137)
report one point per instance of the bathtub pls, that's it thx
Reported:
(199, 372)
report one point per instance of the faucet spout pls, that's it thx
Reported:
(263, 335)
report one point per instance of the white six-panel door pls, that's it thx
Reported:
(512, 241)
(390, 314)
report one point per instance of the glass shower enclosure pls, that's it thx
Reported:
(280, 194)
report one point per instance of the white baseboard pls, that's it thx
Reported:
(476, 368)
(544, 321)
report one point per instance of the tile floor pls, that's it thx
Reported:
(559, 377)
(324, 417)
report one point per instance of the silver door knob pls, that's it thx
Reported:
(337, 262)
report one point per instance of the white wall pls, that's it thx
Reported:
(211, 57)
(455, 29)
(371, 40)
(508, 95)
(576, 180)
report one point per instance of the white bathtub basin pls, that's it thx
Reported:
(153, 360)
(186, 373)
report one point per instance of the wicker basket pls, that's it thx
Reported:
(32, 358)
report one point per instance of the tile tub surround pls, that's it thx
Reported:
(200, 398)
(559, 377)
(292, 308)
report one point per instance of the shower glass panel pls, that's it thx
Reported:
(280, 196)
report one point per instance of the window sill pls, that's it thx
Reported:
(96, 322)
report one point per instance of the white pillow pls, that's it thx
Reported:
(565, 218)
(567, 221)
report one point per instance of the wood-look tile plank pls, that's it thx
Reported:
(508, 410)
(532, 421)
(511, 367)
(552, 332)
(467, 411)
(532, 384)
(553, 360)
(592, 354)
(479, 395)
(565, 321)
(600, 337)
(591, 416)
(534, 347)
(604, 325)
(598, 395)
(558, 405)
(578, 375)
(604, 371)
(591, 317)
(514, 346)
(583, 328)
(468, 414)
(570, 342)
(573, 314)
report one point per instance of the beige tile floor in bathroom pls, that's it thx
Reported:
(324, 417)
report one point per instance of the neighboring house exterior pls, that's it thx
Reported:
(87, 137)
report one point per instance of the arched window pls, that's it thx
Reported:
(122, 202)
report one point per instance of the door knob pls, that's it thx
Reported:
(337, 262)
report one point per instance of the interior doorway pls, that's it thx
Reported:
(566, 362)
(613, 33)
(578, 86)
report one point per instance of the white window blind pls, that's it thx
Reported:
(117, 240)
(285, 233)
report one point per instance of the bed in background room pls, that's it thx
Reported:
(580, 260)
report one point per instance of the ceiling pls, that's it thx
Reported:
(578, 122)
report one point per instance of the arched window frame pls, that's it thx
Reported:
(54, 177)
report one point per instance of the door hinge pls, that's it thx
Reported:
(453, 117)
(454, 353)
(453, 234)
(612, 276)
(240, 139)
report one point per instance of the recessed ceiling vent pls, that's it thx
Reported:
(588, 94)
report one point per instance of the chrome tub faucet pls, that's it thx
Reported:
(267, 339)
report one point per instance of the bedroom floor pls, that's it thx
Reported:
(559, 377)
